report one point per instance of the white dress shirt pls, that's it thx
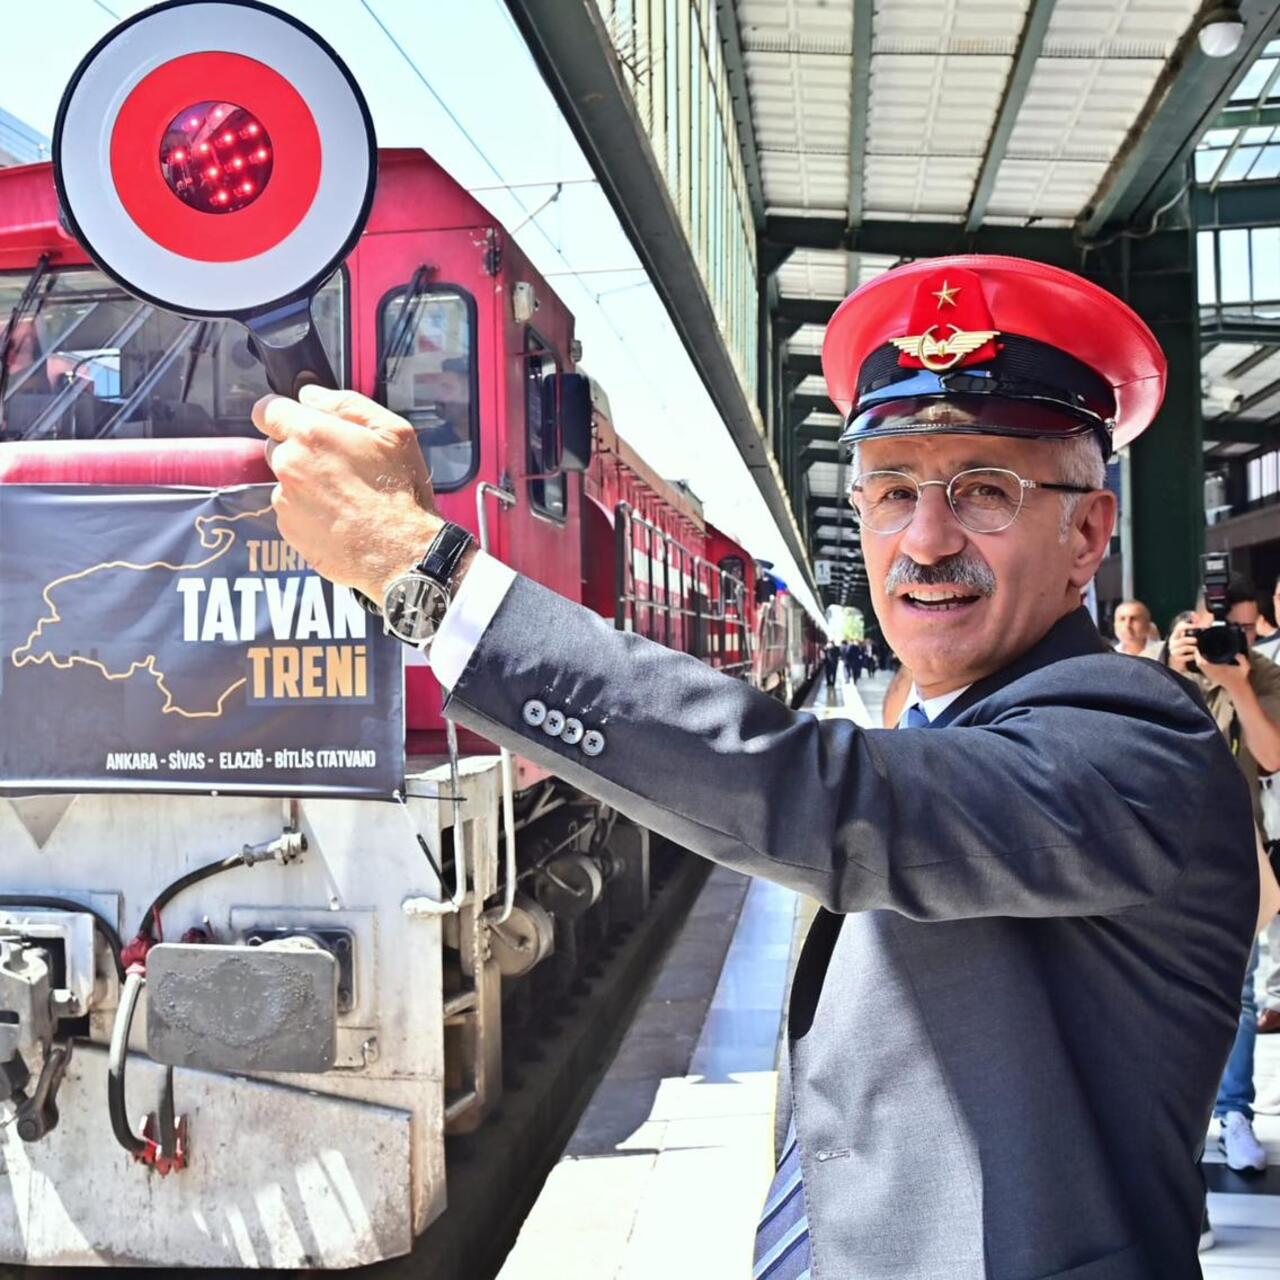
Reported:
(932, 707)
(468, 617)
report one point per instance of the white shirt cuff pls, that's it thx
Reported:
(468, 617)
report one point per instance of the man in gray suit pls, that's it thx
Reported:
(1010, 1017)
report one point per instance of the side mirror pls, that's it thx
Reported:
(574, 416)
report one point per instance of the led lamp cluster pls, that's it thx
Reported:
(216, 157)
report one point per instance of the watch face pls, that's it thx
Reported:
(414, 608)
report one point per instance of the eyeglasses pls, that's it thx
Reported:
(983, 500)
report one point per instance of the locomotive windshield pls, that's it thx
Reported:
(429, 375)
(85, 361)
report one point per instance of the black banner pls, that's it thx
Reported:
(170, 640)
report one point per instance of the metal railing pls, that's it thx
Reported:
(666, 592)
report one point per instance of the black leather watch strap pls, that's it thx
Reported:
(446, 549)
(440, 563)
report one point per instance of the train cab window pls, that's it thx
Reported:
(735, 568)
(429, 375)
(83, 360)
(547, 486)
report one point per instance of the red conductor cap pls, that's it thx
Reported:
(235, 136)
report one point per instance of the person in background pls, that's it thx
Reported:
(830, 664)
(1133, 628)
(1269, 963)
(851, 655)
(1243, 696)
(1267, 629)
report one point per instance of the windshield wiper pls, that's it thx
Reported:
(75, 387)
(16, 317)
(148, 384)
(201, 344)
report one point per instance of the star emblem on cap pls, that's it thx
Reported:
(946, 296)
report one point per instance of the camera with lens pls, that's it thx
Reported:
(1221, 642)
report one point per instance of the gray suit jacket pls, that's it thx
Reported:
(1008, 1025)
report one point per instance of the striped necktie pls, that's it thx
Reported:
(782, 1238)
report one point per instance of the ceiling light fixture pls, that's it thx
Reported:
(1220, 32)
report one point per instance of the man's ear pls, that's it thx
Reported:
(1092, 524)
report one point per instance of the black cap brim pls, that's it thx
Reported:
(977, 415)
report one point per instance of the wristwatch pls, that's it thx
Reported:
(416, 601)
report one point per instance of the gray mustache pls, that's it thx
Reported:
(963, 570)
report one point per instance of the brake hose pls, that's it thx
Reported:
(116, 1060)
(133, 981)
(171, 891)
(283, 850)
(136, 980)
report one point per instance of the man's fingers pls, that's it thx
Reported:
(351, 406)
(280, 419)
(266, 417)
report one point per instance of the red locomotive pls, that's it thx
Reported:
(438, 314)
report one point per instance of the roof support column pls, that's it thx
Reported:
(766, 356)
(1164, 497)
(769, 340)
(859, 119)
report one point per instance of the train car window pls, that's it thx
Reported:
(429, 375)
(734, 565)
(547, 488)
(85, 361)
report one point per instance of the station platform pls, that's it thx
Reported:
(668, 1167)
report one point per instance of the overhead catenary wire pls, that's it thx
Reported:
(542, 182)
(645, 371)
(502, 184)
(512, 188)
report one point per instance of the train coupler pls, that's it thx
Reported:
(37, 1113)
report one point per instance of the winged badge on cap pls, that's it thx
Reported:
(941, 354)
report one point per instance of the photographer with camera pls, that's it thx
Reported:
(1269, 967)
(1242, 691)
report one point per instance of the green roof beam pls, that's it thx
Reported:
(1030, 42)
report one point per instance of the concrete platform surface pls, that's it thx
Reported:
(671, 1161)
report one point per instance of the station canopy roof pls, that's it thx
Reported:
(1237, 174)
(882, 131)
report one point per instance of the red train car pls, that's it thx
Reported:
(438, 314)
